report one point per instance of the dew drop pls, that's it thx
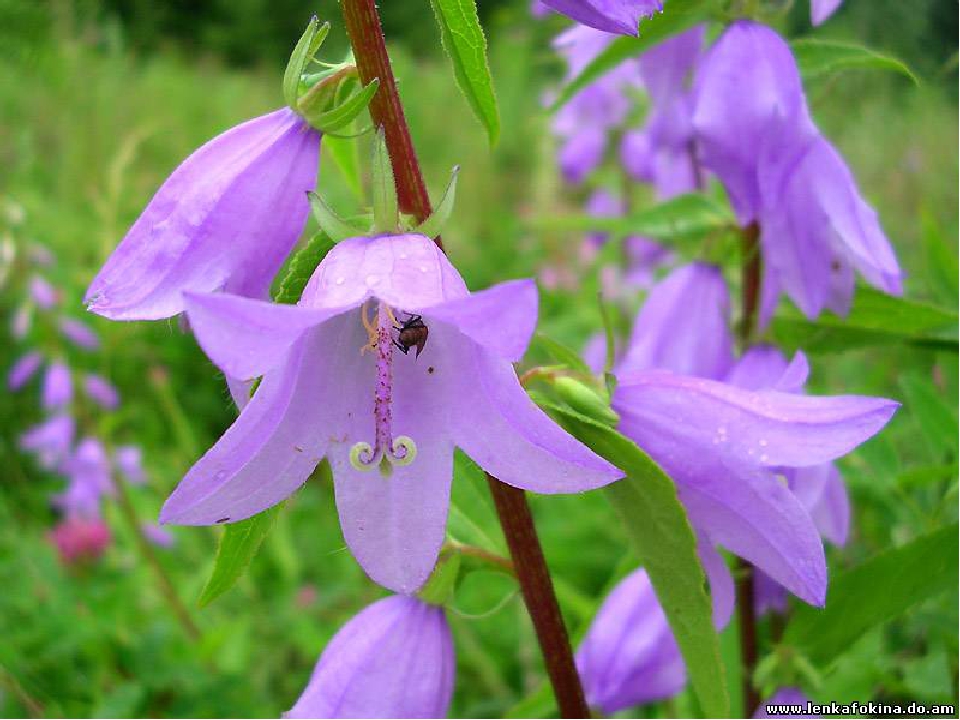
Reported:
(341, 280)
(373, 280)
(424, 268)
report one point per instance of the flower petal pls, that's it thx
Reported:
(280, 436)
(612, 16)
(723, 595)
(245, 338)
(831, 513)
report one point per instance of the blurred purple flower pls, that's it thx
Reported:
(394, 659)
(23, 369)
(21, 321)
(462, 392)
(88, 480)
(637, 156)
(784, 696)
(42, 292)
(226, 219)
(79, 333)
(101, 391)
(129, 461)
(820, 10)
(79, 539)
(57, 389)
(683, 326)
(50, 441)
(161, 537)
(612, 16)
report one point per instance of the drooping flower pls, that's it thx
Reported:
(129, 462)
(50, 441)
(821, 10)
(88, 480)
(748, 103)
(338, 380)
(57, 391)
(23, 369)
(612, 16)
(42, 292)
(101, 391)
(394, 659)
(79, 334)
(226, 219)
(78, 539)
(788, 696)
(683, 326)
(816, 230)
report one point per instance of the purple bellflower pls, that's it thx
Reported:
(23, 369)
(43, 293)
(785, 696)
(621, 17)
(394, 659)
(79, 334)
(339, 382)
(821, 10)
(50, 441)
(88, 480)
(57, 390)
(101, 391)
(226, 219)
(128, 459)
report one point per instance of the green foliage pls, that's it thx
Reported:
(817, 58)
(875, 592)
(301, 267)
(466, 45)
(656, 523)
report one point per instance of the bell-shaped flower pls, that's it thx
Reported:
(23, 369)
(50, 441)
(101, 391)
(79, 334)
(79, 539)
(394, 659)
(821, 10)
(386, 364)
(748, 104)
(57, 390)
(128, 459)
(683, 326)
(226, 219)
(88, 480)
(612, 16)
(816, 228)
(787, 702)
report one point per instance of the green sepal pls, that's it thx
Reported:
(386, 207)
(433, 225)
(585, 400)
(443, 580)
(334, 226)
(303, 52)
(322, 109)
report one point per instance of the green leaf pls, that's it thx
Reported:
(463, 39)
(816, 58)
(301, 267)
(238, 544)
(875, 592)
(678, 15)
(334, 226)
(562, 354)
(656, 523)
(386, 207)
(346, 112)
(433, 225)
(683, 217)
(344, 153)
(937, 417)
(303, 52)
(874, 319)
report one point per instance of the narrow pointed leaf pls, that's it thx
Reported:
(386, 209)
(875, 592)
(335, 227)
(433, 225)
(464, 41)
(306, 47)
(345, 113)
(656, 523)
(817, 58)
(562, 354)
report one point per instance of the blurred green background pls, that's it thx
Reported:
(99, 101)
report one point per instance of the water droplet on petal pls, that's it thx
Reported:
(341, 280)
(373, 280)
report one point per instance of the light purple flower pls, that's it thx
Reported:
(79, 333)
(88, 479)
(637, 155)
(129, 461)
(724, 447)
(226, 219)
(603, 204)
(816, 228)
(613, 16)
(57, 386)
(748, 104)
(785, 696)
(683, 326)
(23, 369)
(820, 10)
(161, 537)
(43, 293)
(394, 659)
(50, 441)
(336, 385)
(101, 391)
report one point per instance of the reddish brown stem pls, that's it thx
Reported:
(750, 281)
(369, 49)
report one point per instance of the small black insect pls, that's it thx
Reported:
(223, 520)
(412, 333)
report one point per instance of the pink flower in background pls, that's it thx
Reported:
(78, 539)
